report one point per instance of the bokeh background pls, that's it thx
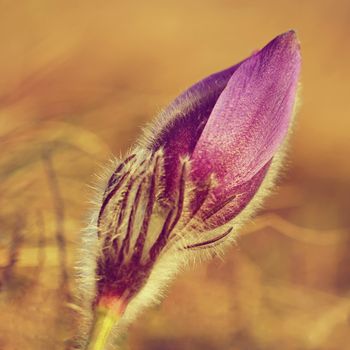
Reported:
(78, 80)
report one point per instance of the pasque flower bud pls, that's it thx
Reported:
(184, 190)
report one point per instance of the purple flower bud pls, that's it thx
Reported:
(191, 180)
(231, 124)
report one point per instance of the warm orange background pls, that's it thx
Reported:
(77, 81)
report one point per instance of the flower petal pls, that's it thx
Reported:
(250, 119)
(182, 121)
(179, 126)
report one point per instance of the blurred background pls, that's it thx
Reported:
(79, 79)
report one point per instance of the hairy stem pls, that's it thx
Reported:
(105, 320)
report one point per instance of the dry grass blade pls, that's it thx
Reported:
(59, 216)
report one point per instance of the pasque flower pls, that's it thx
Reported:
(185, 189)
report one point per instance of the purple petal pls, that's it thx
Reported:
(183, 120)
(250, 119)
(181, 123)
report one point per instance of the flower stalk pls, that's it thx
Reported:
(106, 318)
(105, 321)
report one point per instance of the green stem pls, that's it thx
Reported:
(104, 322)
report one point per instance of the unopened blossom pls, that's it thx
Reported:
(185, 189)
